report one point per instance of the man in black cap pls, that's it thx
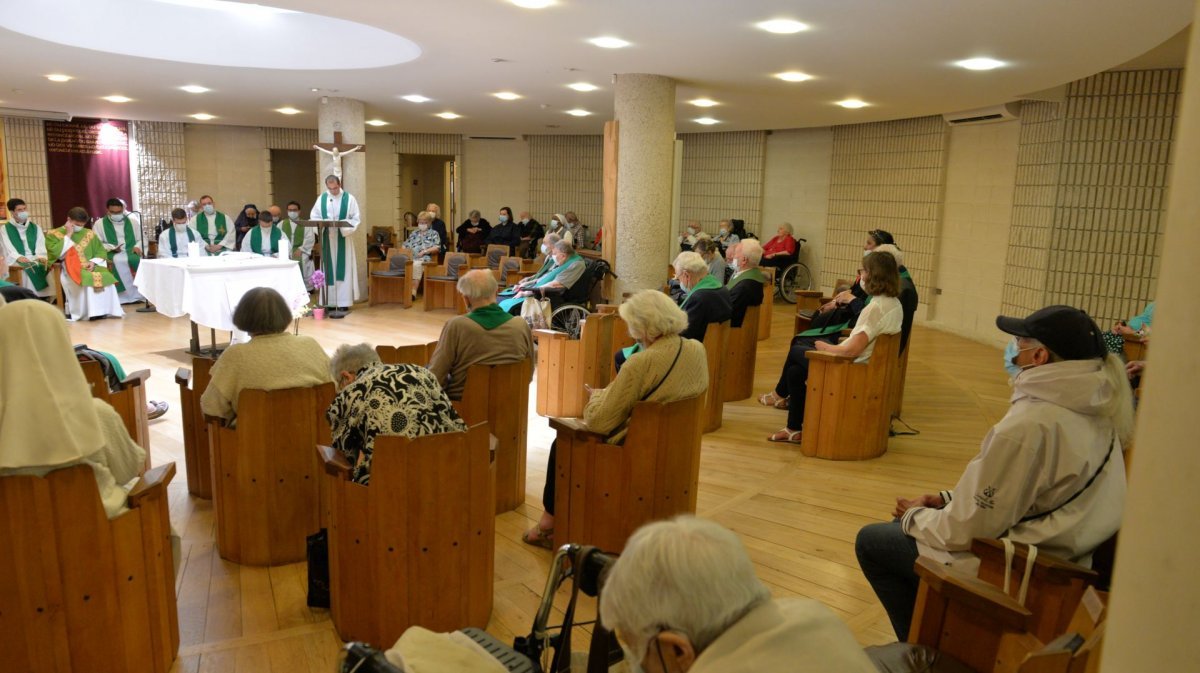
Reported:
(1050, 473)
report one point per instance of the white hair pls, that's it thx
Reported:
(752, 250)
(650, 315)
(352, 358)
(691, 262)
(787, 226)
(687, 575)
(893, 251)
(479, 285)
(565, 248)
(551, 239)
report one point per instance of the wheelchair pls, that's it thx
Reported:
(795, 276)
(569, 308)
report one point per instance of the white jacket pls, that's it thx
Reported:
(1053, 439)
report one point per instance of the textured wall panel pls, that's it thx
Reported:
(566, 173)
(886, 175)
(723, 178)
(160, 170)
(25, 141)
(429, 143)
(289, 139)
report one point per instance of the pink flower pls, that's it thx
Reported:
(318, 277)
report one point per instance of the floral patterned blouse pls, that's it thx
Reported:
(422, 240)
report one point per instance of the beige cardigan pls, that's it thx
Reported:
(267, 362)
(609, 409)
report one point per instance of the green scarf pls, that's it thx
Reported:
(36, 271)
(341, 249)
(630, 350)
(547, 265)
(905, 274)
(256, 239)
(290, 229)
(753, 273)
(553, 273)
(174, 243)
(202, 227)
(110, 235)
(708, 282)
(489, 317)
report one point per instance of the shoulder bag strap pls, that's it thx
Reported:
(664, 377)
(1078, 493)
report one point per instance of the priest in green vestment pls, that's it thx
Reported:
(24, 246)
(302, 238)
(88, 284)
(339, 257)
(121, 234)
(216, 230)
(173, 242)
(265, 238)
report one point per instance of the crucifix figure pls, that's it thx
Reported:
(336, 150)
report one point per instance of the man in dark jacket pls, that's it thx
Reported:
(705, 299)
(531, 232)
(747, 286)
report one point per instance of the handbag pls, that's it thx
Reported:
(318, 569)
(536, 312)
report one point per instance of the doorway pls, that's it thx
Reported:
(425, 179)
(294, 177)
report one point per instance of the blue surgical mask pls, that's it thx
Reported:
(21, 217)
(209, 209)
(503, 219)
(1010, 358)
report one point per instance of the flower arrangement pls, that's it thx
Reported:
(301, 311)
(318, 280)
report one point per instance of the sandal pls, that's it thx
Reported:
(772, 400)
(539, 537)
(786, 436)
(160, 408)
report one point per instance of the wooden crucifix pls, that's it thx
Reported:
(336, 150)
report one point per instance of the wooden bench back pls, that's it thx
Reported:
(716, 344)
(620, 338)
(741, 358)
(80, 592)
(498, 395)
(604, 492)
(1055, 587)
(411, 354)
(847, 414)
(192, 384)
(417, 546)
(265, 487)
(129, 400)
(768, 306)
(564, 365)
(896, 394)
(391, 289)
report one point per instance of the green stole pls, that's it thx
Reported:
(749, 274)
(174, 243)
(832, 329)
(341, 251)
(110, 234)
(553, 273)
(490, 317)
(202, 227)
(36, 271)
(708, 282)
(256, 239)
(290, 229)
(547, 265)
(87, 245)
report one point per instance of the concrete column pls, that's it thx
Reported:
(1156, 590)
(346, 115)
(645, 113)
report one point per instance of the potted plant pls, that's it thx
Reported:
(318, 279)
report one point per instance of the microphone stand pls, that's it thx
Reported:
(148, 308)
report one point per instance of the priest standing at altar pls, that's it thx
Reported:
(121, 234)
(339, 259)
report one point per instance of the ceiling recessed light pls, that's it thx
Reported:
(448, 115)
(59, 78)
(195, 88)
(609, 42)
(375, 122)
(287, 110)
(578, 112)
(704, 102)
(782, 26)
(532, 4)
(583, 86)
(507, 95)
(202, 116)
(852, 103)
(117, 98)
(707, 121)
(793, 76)
(980, 64)
(416, 98)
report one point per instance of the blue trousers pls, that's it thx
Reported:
(886, 556)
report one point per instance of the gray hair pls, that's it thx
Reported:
(893, 251)
(425, 216)
(565, 248)
(650, 315)
(691, 262)
(479, 285)
(787, 226)
(352, 358)
(752, 251)
(473, 213)
(551, 239)
(687, 575)
(262, 310)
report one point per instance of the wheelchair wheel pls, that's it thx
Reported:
(795, 277)
(568, 318)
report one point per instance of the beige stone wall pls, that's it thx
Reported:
(565, 173)
(796, 189)
(230, 163)
(383, 178)
(25, 150)
(496, 174)
(722, 178)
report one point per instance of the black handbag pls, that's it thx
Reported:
(318, 569)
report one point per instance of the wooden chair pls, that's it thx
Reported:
(441, 282)
(413, 354)
(192, 384)
(716, 345)
(740, 358)
(16, 275)
(417, 546)
(620, 336)
(528, 268)
(604, 492)
(266, 490)
(1055, 586)
(564, 365)
(808, 300)
(509, 267)
(80, 592)
(493, 254)
(768, 306)
(1135, 347)
(847, 414)
(129, 399)
(896, 393)
(498, 396)
(384, 285)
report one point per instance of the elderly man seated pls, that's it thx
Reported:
(546, 249)
(746, 285)
(705, 298)
(568, 269)
(376, 399)
(683, 596)
(485, 336)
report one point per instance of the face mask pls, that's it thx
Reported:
(525, 221)
(180, 225)
(692, 230)
(545, 250)
(866, 252)
(503, 219)
(293, 215)
(423, 226)
(734, 265)
(209, 209)
(1016, 350)
(554, 224)
(724, 232)
(117, 217)
(22, 217)
(252, 218)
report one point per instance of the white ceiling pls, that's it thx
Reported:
(896, 55)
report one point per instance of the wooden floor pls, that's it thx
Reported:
(797, 516)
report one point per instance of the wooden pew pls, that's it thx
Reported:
(441, 282)
(386, 289)
(604, 492)
(266, 490)
(16, 274)
(79, 592)
(493, 255)
(716, 344)
(129, 399)
(564, 365)
(417, 546)
(498, 396)
(413, 354)
(809, 300)
(768, 306)
(1055, 586)
(847, 414)
(620, 336)
(508, 267)
(741, 357)
(1135, 347)
(192, 384)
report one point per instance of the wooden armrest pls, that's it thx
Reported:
(548, 334)
(151, 483)
(828, 357)
(577, 426)
(222, 422)
(183, 376)
(336, 464)
(974, 594)
(808, 293)
(136, 379)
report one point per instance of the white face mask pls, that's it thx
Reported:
(692, 230)
(209, 209)
(180, 226)
(867, 252)
(525, 221)
(724, 231)
(293, 215)
(21, 217)
(554, 224)
(117, 217)
(734, 265)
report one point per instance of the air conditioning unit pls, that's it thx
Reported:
(985, 115)
(35, 114)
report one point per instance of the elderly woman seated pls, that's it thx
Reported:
(568, 269)
(271, 360)
(546, 249)
(683, 596)
(781, 252)
(708, 249)
(704, 297)
(473, 233)
(376, 399)
(666, 368)
(424, 243)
